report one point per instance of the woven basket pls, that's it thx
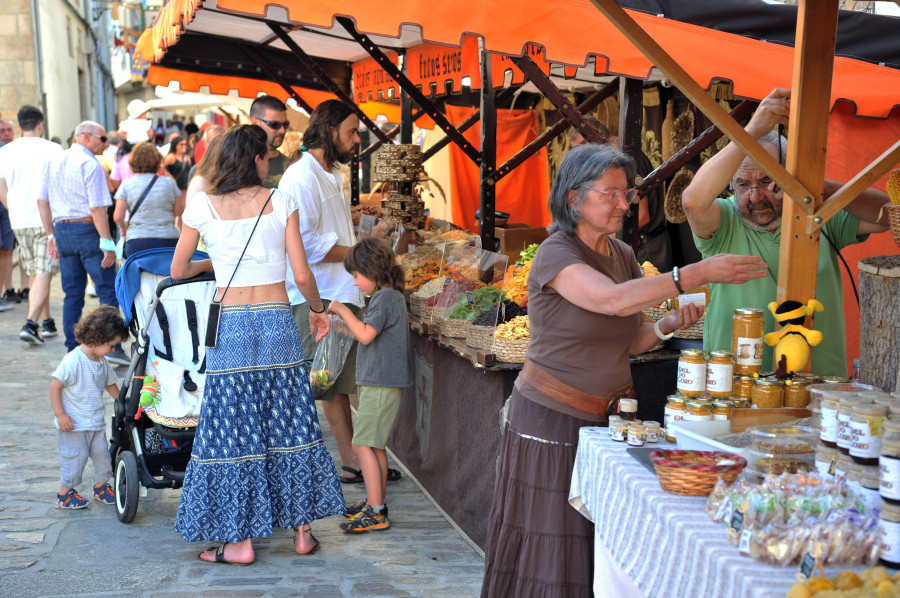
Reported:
(454, 328)
(894, 220)
(694, 332)
(654, 313)
(694, 473)
(480, 337)
(510, 351)
(416, 304)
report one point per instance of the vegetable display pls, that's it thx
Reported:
(482, 300)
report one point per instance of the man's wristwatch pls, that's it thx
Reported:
(51, 236)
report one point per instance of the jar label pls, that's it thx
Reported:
(890, 547)
(748, 351)
(829, 425)
(720, 416)
(652, 436)
(690, 417)
(824, 467)
(691, 377)
(863, 443)
(698, 299)
(618, 434)
(635, 439)
(889, 484)
(843, 431)
(719, 377)
(672, 415)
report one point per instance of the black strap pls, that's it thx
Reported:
(164, 327)
(222, 298)
(143, 196)
(191, 309)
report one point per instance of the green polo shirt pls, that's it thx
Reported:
(829, 358)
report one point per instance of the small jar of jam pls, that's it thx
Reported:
(719, 374)
(747, 339)
(691, 373)
(866, 430)
(722, 409)
(796, 394)
(828, 425)
(674, 413)
(651, 431)
(844, 411)
(742, 387)
(696, 411)
(890, 534)
(768, 394)
(636, 435)
(619, 430)
(628, 409)
(612, 420)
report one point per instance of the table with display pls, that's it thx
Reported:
(664, 544)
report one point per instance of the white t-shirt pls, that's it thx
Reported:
(325, 221)
(83, 383)
(22, 166)
(265, 259)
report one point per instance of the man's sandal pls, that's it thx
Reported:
(220, 557)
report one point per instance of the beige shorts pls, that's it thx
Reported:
(33, 254)
(346, 380)
(378, 408)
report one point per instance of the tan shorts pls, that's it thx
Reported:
(378, 408)
(33, 255)
(346, 380)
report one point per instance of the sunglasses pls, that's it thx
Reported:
(276, 124)
(100, 137)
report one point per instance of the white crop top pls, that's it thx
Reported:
(265, 259)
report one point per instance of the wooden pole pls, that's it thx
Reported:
(631, 118)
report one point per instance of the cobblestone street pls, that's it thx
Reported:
(49, 552)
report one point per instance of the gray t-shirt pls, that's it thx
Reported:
(385, 361)
(155, 219)
(82, 394)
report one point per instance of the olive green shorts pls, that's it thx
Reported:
(378, 408)
(346, 380)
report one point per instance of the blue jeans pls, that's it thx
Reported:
(137, 245)
(79, 255)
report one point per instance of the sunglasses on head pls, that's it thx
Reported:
(276, 124)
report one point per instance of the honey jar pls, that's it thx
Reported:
(636, 435)
(747, 339)
(768, 394)
(628, 409)
(742, 387)
(696, 411)
(691, 373)
(619, 430)
(722, 409)
(719, 374)
(651, 431)
(889, 462)
(674, 413)
(844, 412)
(866, 430)
(740, 403)
(796, 394)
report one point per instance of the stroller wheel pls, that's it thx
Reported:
(127, 486)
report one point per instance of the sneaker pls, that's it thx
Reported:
(104, 494)
(367, 520)
(118, 357)
(31, 334)
(91, 290)
(4, 304)
(12, 296)
(354, 508)
(23, 294)
(70, 500)
(48, 328)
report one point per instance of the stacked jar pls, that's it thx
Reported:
(719, 374)
(747, 333)
(889, 462)
(768, 394)
(828, 426)
(866, 427)
(742, 387)
(796, 394)
(845, 410)
(691, 373)
(674, 413)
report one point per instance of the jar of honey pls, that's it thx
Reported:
(696, 411)
(698, 296)
(719, 374)
(742, 387)
(747, 339)
(768, 394)
(796, 394)
(691, 373)
(722, 409)
(674, 413)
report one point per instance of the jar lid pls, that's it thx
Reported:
(636, 428)
(630, 403)
(676, 399)
(825, 452)
(844, 462)
(747, 311)
(891, 510)
(870, 410)
(692, 352)
(651, 424)
(700, 404)
(727, 354)
(723, 403)
(767, 382)
(677, 395)
(833, 380)
(892, 425)
(871, 477)
(797, 382)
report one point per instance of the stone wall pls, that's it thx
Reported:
(18, 69)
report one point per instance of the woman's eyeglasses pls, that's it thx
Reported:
(276, 124)
(630, 195)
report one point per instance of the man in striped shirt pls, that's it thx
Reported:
(74, 198)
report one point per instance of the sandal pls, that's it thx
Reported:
(357, 476)
(313, 550)
(220, 556)
(393, 475)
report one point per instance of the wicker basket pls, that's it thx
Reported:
(416, 304)
(694, 332)
(480, 337)
(454, 328)
(894, 220)
(510, 351)
(694, 473)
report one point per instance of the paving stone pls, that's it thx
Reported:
(10, 564)
(31, 538)
(9, 546)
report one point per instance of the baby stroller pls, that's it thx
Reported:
(150, 444)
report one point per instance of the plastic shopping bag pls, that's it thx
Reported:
(331, 353)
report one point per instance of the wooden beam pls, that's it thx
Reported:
(700, 98)
(631, 119)
(852, 188)
(798, 261)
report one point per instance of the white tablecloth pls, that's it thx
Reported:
(664, 542)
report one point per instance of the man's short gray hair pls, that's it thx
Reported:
(87, 126)
(581, 167)
(775, 139)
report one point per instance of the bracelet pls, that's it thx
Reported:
(107, 244)
(677, 279)
(319, 311)
(659, 334)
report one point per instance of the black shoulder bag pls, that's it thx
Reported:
(215, 307)
(140, 201)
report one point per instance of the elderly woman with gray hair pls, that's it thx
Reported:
(586, 294)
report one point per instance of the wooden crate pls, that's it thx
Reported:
(743, 418)
(514, 237)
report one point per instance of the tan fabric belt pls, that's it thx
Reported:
(85, 219)
(570, 396)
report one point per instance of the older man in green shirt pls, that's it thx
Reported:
(749, 223)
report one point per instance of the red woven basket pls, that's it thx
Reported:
(694, 473)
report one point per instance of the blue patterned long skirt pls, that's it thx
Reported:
(258, 460)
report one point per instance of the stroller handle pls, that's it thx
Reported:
(170, 282)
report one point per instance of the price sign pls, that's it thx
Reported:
(737, 521)
(724, 509)
(744, 545)
(807, 566)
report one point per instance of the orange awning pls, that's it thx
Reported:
(572, 32)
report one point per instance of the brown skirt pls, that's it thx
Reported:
(538, 546)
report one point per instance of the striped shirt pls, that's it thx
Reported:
(73, 183)
(83, 383)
